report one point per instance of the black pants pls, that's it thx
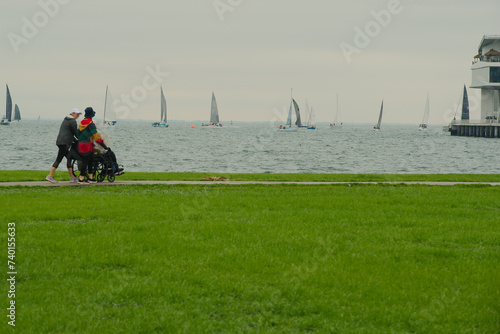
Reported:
(72, 156)
(87, 163)
(62, 153)
(112, 156)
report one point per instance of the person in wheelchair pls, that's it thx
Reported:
(104, 163)
(109, 157)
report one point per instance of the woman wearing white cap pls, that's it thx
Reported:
(67, 132)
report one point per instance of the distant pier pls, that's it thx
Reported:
(486, 77)
(469, 129)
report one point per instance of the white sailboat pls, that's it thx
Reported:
(163, 114)
(337, 122)
(423, 125)
(288, 126)
(214, 115)
(109, 117)
(8, 109)
(311, 121)
(377, 127)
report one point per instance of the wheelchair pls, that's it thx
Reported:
(103, 166)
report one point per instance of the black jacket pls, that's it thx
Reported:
(67, 131)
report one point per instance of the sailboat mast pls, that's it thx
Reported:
(337, 114)
(289, 119)
(105, 102)
(308, 111)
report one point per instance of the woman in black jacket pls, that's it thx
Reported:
(67, 132)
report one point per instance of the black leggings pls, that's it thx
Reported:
(63, 152)
(87, 163)
(72, 156)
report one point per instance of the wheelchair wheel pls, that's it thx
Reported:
(76, 165)
(111, 177)
(100, 171)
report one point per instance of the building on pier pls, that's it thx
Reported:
(486, 77)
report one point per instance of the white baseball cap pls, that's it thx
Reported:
(76, 111)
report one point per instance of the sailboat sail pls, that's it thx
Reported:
(288, 126)
(337, 115)
(289, 119)
(17, 113)
(465, 105)
(423, 125)
(8, 109)
(308, 112)
(426, 113)
(311, 121)
(297, 113)
(377, 127)
(337, 122)
(163, 108)
(109, 109)
(214, 115)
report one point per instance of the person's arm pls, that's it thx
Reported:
(95, 135)
(74, 129)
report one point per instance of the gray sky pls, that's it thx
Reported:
(249, 52)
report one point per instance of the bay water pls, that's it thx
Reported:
(248, 147)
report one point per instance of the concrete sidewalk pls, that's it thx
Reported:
(124, 183)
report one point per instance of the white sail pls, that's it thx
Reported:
(338, 116)
(109, 109)
(423, 125)
(289, 119)
(312, 118)
(163, 107)
(377, 127)
(427, 111)
(337, 121)
(214, 114)
(288, 126)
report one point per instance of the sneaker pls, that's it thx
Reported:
(50, 179)
(84, 181)
(73, 180)
(91, 181)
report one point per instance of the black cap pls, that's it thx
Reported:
(89, 112)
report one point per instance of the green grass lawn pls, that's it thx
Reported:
(255, 259)
(62, 175)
